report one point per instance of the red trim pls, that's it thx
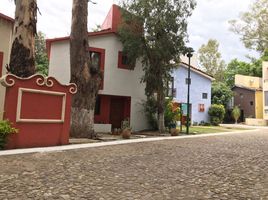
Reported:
(120, 59)
(90, 34)
(102, 61)
(105, 107)
(7, 18)
(1, 63)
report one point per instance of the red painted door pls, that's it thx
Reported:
(117, 112)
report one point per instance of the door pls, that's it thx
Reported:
(117, 111)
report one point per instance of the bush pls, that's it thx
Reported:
(5, 130)
(236, 113)
(216, 113)
(171, 115)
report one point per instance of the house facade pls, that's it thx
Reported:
(200, 92)
(248, 96)
(6, 30)
(121, 92)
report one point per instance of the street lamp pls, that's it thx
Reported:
(189, 55)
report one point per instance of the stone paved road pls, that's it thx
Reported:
(220, 167)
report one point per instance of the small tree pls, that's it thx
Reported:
(210, 59)
(216, 113)
(236, 113)
(220, 93)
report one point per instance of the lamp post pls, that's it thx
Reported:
(189, 55)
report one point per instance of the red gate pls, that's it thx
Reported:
(40, 108)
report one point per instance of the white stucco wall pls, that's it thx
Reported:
(6, 28)
(199, 85)
(120, 82)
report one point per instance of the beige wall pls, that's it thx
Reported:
(248, 81)
(6, 28)
(117, 81)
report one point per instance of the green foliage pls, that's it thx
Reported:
(210, 59)
(252, 26)
(155, 33)
(171, 115)
(236, 113)
(5, 130)
(150, 110)
(253, 68)
(216, 113)
(220, 93)
(41, 59)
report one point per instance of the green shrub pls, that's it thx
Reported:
(236, 113)
(216, 113)
(171, 115)
(5, 130)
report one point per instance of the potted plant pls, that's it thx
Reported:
(5, 130)
(173, 130)
(126, 129)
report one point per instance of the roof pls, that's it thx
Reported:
(7, 18)
(247, 88)
(198, 71)
(109, 26)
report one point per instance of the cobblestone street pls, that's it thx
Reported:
(231, 166)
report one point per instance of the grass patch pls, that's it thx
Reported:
(208, 129)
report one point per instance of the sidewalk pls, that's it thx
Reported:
(130, 141)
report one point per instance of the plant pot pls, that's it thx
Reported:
(126, 133)
(174, 132)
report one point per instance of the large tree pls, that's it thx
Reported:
(22, 59)
(220, 93)
(155, 32)
(253, 27)
(210, 59)
(86, 77)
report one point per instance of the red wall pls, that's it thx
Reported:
(32, 105)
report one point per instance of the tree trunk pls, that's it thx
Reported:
(161, 110)
(22, 60)
(87, 80)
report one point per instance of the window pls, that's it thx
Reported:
(204, 95)
(97, 106)
(251, 103)
(266, 98)
(187, 81)
(123, 61)
(171, 91)
(97, 59)
(201, 107)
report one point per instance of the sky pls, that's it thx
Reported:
(208, 21)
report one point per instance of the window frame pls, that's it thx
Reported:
(206, 95)
(120, 64)
(102, 62)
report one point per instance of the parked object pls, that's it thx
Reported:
(40, 108)
(126, 129)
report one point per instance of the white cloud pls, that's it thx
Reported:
(209, 20)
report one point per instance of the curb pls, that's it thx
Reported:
(120, 142)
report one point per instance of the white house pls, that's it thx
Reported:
(122, 93)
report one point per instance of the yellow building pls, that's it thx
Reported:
(248, 96)
(6, 29)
